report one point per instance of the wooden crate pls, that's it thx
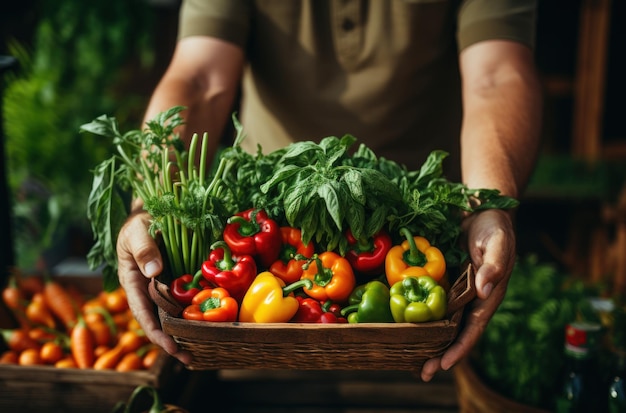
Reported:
(48, 389)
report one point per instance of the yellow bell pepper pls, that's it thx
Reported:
(413, 258)
(268, 300)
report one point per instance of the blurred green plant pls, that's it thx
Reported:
(522, 345)
(76, 68)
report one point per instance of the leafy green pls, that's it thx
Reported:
(524, 338)
(322, 188)
(187, 207)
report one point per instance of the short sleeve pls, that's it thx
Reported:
(228, 20)
(502, 19)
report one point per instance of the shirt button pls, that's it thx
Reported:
(347, 24)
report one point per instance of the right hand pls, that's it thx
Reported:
(139, 260)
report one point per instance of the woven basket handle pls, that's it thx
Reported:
(160, 294)
(463, 291)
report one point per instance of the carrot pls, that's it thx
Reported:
(15, 301)
(51, 352)
(38, 312)
(41, 334)
(100, 350)
(129, 362)
(9, 357)
(82, 345)
(29, 357)
(129, 341)
(122, 319)
(150, 357)
(66, 363)
(102, 333)
(18, 340)
(109, 359)
(61, 303)
(115, 301)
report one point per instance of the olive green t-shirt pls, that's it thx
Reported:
(385, 71)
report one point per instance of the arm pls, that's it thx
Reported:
(499, 142)
(204, 76)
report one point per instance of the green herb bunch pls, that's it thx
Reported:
(324, 189)
(188, 208)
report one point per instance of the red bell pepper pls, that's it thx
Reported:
(212, 304)
(293, 254)
(185, 287)
(234, 273)
(367, 256)
(332, 276)
(312, 311)
(252, 232)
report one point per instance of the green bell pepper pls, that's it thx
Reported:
(369, 303)
(417, 299)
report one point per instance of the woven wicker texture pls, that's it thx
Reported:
(371, 346)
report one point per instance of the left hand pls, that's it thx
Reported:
(491, 245)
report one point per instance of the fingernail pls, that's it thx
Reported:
(151, 268)
(487, 289)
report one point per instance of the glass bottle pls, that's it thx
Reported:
(617, 385)
(582, 389)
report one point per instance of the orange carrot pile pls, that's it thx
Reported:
(59, 328)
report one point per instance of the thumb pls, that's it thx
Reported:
(137, 249)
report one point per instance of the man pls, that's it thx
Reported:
(404, 77)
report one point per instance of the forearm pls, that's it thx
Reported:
(204, 77)
(206, 111)
(501, 127)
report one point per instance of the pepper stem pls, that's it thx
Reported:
(305, 283)
(195, 282)
(349, 309)
(413, 256)
(246, 228)
(227, 262)
(323, 275)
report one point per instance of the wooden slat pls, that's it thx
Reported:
(590, 78)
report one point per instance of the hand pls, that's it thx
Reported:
(139, 259)
(491, 245)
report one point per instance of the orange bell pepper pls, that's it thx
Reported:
(212, 304)
(332, 276)
(413, 258)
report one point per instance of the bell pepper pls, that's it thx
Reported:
(413, 258)
(288, 266)
(367, 256)
(235, 273)
(417, 299)
(212, 304)
(185, 287)
(332, 277)
(269, 300)
(252, 232)
(369, 303)
(313, 311)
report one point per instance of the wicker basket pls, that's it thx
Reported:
(371, 346)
